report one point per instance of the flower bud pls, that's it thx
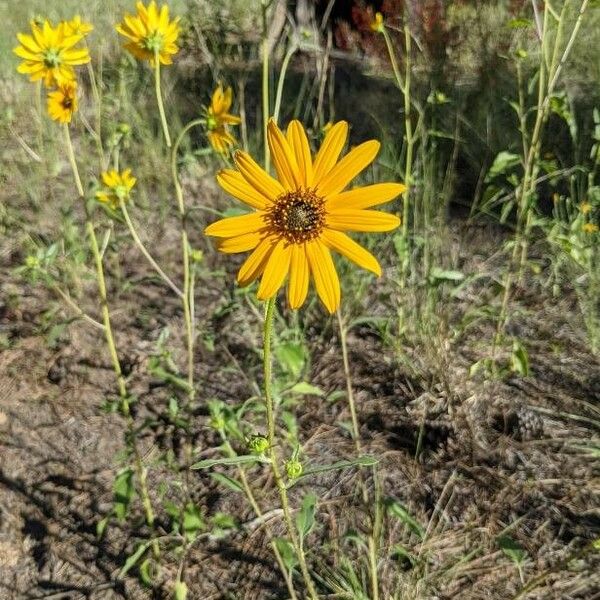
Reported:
(258, 444)
(293, 468)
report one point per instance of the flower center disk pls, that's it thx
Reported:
(298, 216)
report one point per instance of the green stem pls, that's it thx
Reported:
(284, 66)
(265, 80)
(161, 108)
(144, 251)
(98, 102)
(259, 513)
(188, 289)
(272, 453)
(112, 350)
(72, 161)
(371, 542)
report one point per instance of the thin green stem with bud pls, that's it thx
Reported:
(272, 453)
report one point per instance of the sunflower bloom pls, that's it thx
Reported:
(62, 102)
(218, 119)
(49, 54)
(78, 27)
(150, 33)
(590, 228)
(117, 186)
(302, 215)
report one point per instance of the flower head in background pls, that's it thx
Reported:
(377, 25)
(78, 27)
(150, 33)
(48, 53)
(590, 228)
(218, 119)
(117, 186)
(62, 102)
(302, 215)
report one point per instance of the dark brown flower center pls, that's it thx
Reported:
(298, 216)
(67, 103)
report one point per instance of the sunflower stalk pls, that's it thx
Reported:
(159, 99)
(272, 452)
(140, 470)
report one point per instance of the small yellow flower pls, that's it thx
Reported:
(151, 34)
(590, 228)
(78, 27)
(49, 54)
(585, 208)
(62, 102)
(118, 187)
(377, 24)
(218, 119)
(302, 215)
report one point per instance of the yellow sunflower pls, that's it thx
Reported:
(49, 54)
(78, 27)
(62, 102)
(218, 119)
(590, 228)
(118, 187)
(151, 33)
(302, 215)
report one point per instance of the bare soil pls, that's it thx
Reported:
(497, 454)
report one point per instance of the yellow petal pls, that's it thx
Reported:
(254, 265)
(257, 177)
(299, 276)
(340, 242)
(365, 197)
(217, 100)
(283, 158)
(323, 270)
(276, 270)
(361, 220)
(232, 226)
(28, 42)
(348, 168)
(331, 148)
(23, 52)
(234, 183)
(240, 243)
(298, 141)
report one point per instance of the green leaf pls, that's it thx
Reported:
(438, 275)
(399, 551)
(520, 359)
(287, 553)
(230, 460)
(101, 527)
(192, 520)
(180, 590)
(361, 461)
(306, 516)
(399, 511)
(147, 572)
(512, 549)
(503, 162)
(306, 388)
(519, 23)
(123, 493)
(232, 484)
(133, 558)
(291, 357)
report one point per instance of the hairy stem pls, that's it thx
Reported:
(272, 453)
